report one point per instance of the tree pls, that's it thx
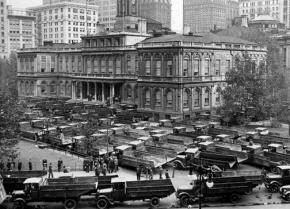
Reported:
(268, 100)
(10, 112)
(245, 96)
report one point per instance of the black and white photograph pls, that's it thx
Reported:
(144, 104)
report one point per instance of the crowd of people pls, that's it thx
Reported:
(10, 165)
(148, 171)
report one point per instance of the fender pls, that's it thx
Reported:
(275, 182)
(183, 193)
(19, 199)
(286, 193)
(181, 164)
(111, 202)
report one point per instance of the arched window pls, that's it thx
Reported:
(31, 88)
(118, 66)
(169, 99)
(147, 97)
(103, 65)
(27, 88)
(196, 98)
(206, 97)
(89, 65)
(186, 94)
(129, 93)
(185, 67)
(196, 67)
(68, 88)
(43, 88)
(158, 98)
(111, 65)
(148, 67)
(62, 88)
(206, 67)
(96, 65)
(218, 96)
(52, 87)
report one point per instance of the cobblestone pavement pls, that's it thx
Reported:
(30, 150)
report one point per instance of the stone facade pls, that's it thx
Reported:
(171, 75)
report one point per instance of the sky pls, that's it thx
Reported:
(176, 10)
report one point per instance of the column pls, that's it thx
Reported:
(111, 94)
(181, 99)
(201, 97)
(88, 90)
(103, 92)
(96, 99)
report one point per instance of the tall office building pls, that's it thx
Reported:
(21, 29)
(158, 10)
(65, 21)
(203, 16)
(3, 29)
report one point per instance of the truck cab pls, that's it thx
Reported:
(30, 192)
(262, 131)
(277, 148)
(273, 182)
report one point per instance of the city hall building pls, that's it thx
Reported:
(167, 75)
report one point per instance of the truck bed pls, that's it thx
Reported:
(148, 189)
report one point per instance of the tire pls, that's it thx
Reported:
(19, 204)
(154, 202)
(287, 197)
(274, 188)
(184, 200)
(102, 203)
(234, 197)
(70, 204)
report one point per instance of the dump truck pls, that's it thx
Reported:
(122, 191)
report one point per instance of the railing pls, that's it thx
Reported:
(182, 79)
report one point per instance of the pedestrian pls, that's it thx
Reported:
(30, 165)
(111, 165)
(167, 174)
(116, 164)
(19, 166)
(104, 170)
(150, 171)
(36, 137)
(50, 173)
(13, 164)
(138, 173)
(44, 164)
(59, 164)
(65, 170)
(8, 165)
(97, 169)
(160, 172)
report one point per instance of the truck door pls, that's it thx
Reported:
(34, 192)
(286, 177)
(119, 193)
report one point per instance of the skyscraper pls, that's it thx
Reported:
(159, 10)
(65, 21)
(3, 29)
(203, 16)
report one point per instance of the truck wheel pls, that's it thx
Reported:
(274, 188)
(19, 204)
(184, 200)
(154, 202)
(287, 197)
(102, 203)
(234, 197)
(70, 204)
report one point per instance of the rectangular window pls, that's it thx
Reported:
(129, 67)
(43, 64)
(217, 67)
(118, 66)
(196, 66)
(103, 66)
(52, 65)
(185, 68)
(96, 65)
(169, 69)
(206, 67)
(111, 66)
(148, 67)
(158, 68)
(80, 63)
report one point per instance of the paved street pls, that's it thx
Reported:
(30, 150)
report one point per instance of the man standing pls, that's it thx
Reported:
(59, 164)
(30, 165)
(160, 172)
(19, 166)
(167, 174)
(50, 173)
(138, 173)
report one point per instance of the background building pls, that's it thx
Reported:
(206, 15)
(278, 9)
(65, 21)
(158, 10)
(3, 29)
(21, 29)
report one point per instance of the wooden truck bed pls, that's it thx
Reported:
(149, 189)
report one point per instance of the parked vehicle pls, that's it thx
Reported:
(121, 191)
(232, 187)
(285, 192)
(13, 180)
(273, 182)
(39, 192)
